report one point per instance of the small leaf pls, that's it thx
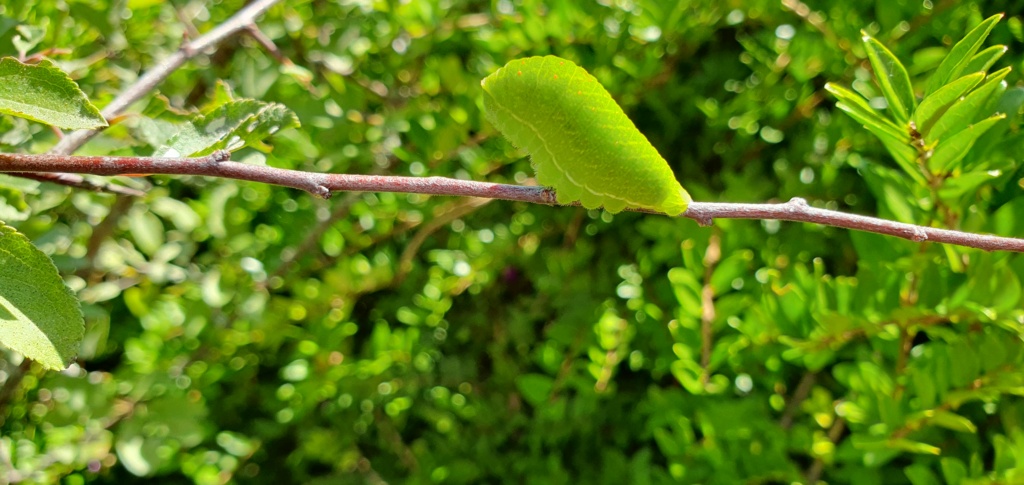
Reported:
(892, 78)
(39, 317)
(914, 446)
(953, 470)
(968, 183)
(953, 421)
(858, 108)
(954, 148)
(935, 104)
(535, 388)
(42, 92)
(985, 59)
(28, 37)
(230, 126)
(965, 111)
(961, 55)
(920, 474)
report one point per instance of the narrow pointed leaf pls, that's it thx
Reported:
(1010, 101)
(42, 92)
(858, 108)
(39, 317)
(985, 59)
(953, 149)
(892, 78)
(901, 151)
(914, 446)
(965, 111)
(961, 54)
(935, 104)
(953, 421)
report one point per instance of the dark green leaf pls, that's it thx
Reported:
(921, 474)
(953, 470)
(535, 388)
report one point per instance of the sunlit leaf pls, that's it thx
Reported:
(967, 110)
(985, 59)
(961, 55)
(914, 446)
(935, 104)
(39, 317)
(953, 149)
(230, 126)
(43, 93)
(857, 107)
(892, 78)
(953, 421)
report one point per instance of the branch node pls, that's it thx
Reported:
(918, 235)
(321, 191)
(798, 201)
(220, 156)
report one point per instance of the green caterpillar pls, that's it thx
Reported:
(582, 143)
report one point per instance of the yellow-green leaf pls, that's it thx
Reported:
(935, 104)
(892, 78)
(967, 110)
(985, 59)
(230, 126)
(961, 54)
(953, 149)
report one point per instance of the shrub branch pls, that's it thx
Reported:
(324, 184)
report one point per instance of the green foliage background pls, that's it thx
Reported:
(243, 332)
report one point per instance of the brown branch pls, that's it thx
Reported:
(143, 85)
(323, 184)
(80, 182)
(803, 389)
(834, 434)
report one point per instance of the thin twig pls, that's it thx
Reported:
(79, 182)
(834, 434)
(148, 81)
(323, 184)
(803, 389)
(707, 306)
